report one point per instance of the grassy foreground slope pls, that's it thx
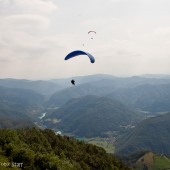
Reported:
(42, 149)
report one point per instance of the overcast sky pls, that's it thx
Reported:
(133, 37)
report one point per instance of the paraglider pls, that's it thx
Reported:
(73, 82)
(79, 52)
(90, 32)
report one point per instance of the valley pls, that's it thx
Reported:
(121, 115)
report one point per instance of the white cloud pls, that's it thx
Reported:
(21, 33)
(26, 6)
(26, 22)
(162, 31)
(115, 0)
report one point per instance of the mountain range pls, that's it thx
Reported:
(98, 105)
(41, 86)
(129, 90)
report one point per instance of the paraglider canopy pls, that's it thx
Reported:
(79, 52)
(92, 31)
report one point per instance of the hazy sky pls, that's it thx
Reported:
(133, 37)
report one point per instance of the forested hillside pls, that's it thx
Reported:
(92, 116)
(151, 134)
(21, 98)
(42, 149)
(17, 106)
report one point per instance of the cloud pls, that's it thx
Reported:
(3, 60)
(162, 31)
(26, 6)
(126, 53)
(24, 26)
(115, 0)
(21, 32)
(26, 22)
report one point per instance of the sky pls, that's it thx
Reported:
(132, 37)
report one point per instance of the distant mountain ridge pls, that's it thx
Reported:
(40, 86)
(162, 76)
(65, 82)
(105, 87)
(149, 97)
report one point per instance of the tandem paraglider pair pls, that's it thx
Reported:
(78, 53)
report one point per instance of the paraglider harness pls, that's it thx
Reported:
(73, 82)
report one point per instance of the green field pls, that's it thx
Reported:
(161, 162)
(153, 162)
(101, 142)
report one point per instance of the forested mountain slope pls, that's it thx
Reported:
(17, 106)
(92, 116)
(151, 134)
(42, 149)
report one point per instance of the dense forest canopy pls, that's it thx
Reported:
(43, 149)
